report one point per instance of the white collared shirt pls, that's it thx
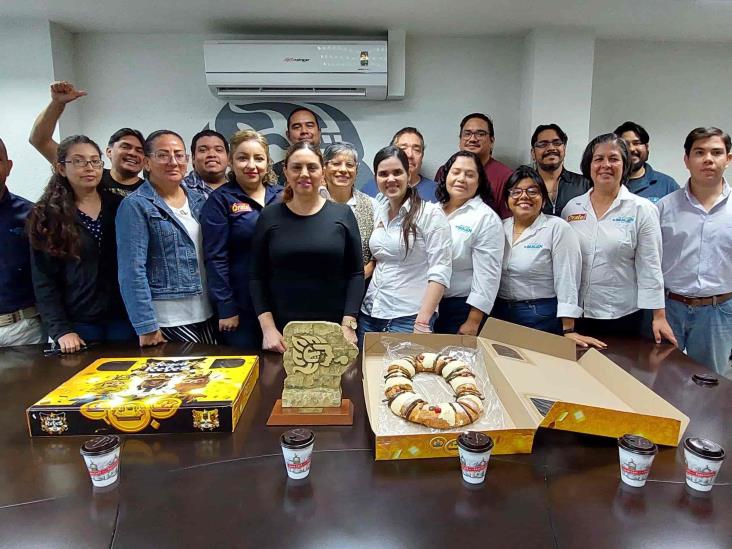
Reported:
(621, 255)
(697, 245)
(544, 262)
(477, 253)
(398, 283)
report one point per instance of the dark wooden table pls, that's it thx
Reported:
(231, 490)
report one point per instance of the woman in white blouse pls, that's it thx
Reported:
(620, 238)
(411, 246)
(541, 264)
(477, 245)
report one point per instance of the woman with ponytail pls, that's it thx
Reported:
(413, 251)
(74, 254)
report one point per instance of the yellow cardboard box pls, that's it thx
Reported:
(540, 383)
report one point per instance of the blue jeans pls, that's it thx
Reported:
(540, 314)
(110, 330)
(453, 313)
(704, 332)
(402, 324)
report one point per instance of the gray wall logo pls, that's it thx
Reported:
(270, 119)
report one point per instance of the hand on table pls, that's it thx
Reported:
(70, 343)
(229, 324)
(585, 341)
(152, 339)
(662, 330)
(272, 340)
(350, 334)
(468, 328)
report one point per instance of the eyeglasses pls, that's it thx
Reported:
(545, 144)
(81, 163)
(531, 192)
(163, 157)
(480, 134)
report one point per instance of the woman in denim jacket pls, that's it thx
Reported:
(160, 252)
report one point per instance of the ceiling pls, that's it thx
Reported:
(703, 20)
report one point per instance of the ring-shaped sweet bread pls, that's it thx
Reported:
(405, 402)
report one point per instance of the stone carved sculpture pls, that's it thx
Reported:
(316, 357)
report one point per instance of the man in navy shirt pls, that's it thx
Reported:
(644, 180)
(19, 322)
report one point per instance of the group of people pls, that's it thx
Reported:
(240, 246)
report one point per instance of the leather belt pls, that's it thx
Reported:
(17, 316)
(700, 301)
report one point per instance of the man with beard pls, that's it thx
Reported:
(548, 148)
(644, 180)
(409, 140)
(302, 125)
(209, 156)
(477, 136)
(124, 149)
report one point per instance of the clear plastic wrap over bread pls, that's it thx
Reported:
(432, 390)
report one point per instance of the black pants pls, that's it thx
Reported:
(625, 326)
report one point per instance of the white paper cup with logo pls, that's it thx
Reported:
(101, 455)
(636, 455)
(297, 448)
(474, 449)
(703, 461)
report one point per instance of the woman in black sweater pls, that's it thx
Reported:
(74, 255)
(306, 255)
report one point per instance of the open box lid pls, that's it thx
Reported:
(592, 395)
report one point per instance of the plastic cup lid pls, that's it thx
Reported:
(297, 438)
(100, 445)
(707, 449)
(473, 441)
(705, 380)
(637, 444)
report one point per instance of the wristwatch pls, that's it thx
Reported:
(568, 331)
(352, 324)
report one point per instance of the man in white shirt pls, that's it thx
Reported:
(696, 225)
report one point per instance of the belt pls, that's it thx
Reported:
(17, 316)
(700, 301)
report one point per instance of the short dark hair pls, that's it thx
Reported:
(208, 133)
(483, 117)
(599, 140)
(147, 144)
(543, 127)
(406, 130)
(705, 133)
(526, 172)
(124, 132)
(634, 127)
(484, 186)
(300, 109)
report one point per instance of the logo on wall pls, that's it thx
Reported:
(270, 119)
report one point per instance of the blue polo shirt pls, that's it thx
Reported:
(16, 285)
(426, 189)
(228, 219)
(653, 185)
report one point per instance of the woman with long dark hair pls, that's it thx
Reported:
(412, 248)
(74, 255)
(477, 245)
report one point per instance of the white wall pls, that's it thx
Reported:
(668, 88)
(26, 69)
(155, 81)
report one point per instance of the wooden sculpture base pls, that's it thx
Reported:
(312, 416)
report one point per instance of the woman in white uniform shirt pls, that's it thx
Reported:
(477, 245)
(541, 264)
(620, 238)
(411, 246)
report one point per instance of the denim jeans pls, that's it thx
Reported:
(111, 330)
(540, 314)
(402, 324)
(704, 332)
(453, 313)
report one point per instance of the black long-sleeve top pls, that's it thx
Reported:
(83, 290)
(306, 267)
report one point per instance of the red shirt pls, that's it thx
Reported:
(497, 173)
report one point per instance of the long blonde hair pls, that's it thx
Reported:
(251, 135)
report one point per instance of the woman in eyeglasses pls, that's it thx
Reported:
(74, 254)
(542, 263)
(161, 266)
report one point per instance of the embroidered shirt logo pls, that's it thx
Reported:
(240, 207)
(535, 246)
(576, 217)
(464, 228)
(624, 219)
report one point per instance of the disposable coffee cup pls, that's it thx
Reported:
(703, 460)
(636, 457)
(475, 451)
(297, 448)
(101, 455)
